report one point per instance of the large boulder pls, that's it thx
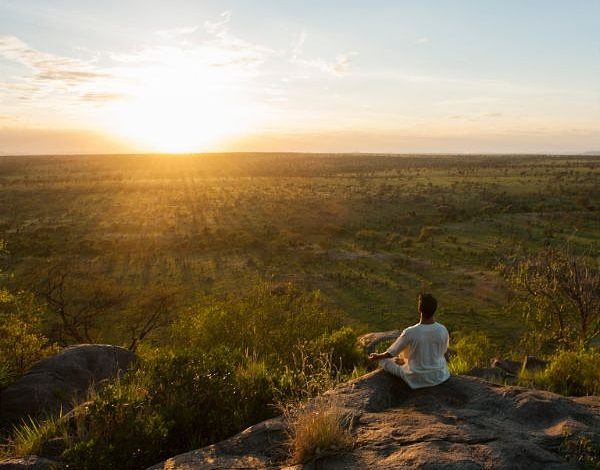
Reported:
(464, 423)
(59, 381)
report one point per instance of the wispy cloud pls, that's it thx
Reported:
(218, 48)
(48, 67)
(176, 32)
(102, 97)
(340, 66)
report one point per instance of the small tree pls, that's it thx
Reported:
(151, 313)
(559, 294)
(78, 302)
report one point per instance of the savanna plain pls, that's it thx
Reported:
(257, 272)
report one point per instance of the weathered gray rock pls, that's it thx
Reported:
(465, 423)
(31, 462)
(57, 381)
(508, 366)
(370, 341)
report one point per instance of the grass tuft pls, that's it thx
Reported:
(319, 429)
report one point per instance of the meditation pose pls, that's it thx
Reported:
(422, 348)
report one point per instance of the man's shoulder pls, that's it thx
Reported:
(411, 329)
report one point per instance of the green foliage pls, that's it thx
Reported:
(170, 404)
(28, 437)
(21, 340)
(581, 451)
(572, 373)
(472, 350)
(267, 323)
(342, 347)
(559, 295)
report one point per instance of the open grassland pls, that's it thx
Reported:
(369, 231)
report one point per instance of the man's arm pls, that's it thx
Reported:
(378, 356)
(399, 345)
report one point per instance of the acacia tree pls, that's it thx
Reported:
(79, 303)
(151, 313)
(559, 294)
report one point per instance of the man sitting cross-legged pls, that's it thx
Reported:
(423, 349)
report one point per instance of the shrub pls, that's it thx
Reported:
(267, 323)
(341, 345)
(318, 429)
(580, 450)
(21, 340)
(572, 373)
(472, 350)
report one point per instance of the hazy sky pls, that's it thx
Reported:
(335, 76)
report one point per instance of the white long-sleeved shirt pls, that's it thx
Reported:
(423, 346)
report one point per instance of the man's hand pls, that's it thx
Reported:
(376, 356)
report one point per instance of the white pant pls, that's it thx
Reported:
(390, 366)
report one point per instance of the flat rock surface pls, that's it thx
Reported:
(31, 462)
(55, 381)
(465, 423)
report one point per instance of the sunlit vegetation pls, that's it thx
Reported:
(242, 281)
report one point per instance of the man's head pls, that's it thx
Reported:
(427, 305)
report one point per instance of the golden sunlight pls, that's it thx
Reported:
(179, 109)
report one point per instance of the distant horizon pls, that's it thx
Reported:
(591, 153)
(501, 76)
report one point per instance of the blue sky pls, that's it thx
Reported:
(380, 76)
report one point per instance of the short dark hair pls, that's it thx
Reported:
(427, 305)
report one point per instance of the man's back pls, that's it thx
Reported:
(428, 343)
(424, 346)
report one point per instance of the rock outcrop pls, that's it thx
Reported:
(370, 341)
(31, 462)
(465, 423)
(57, 381)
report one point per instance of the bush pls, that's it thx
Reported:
(472, 350)
(572, 373)
(267, 323)
(580, 450)
(170, 404)
(21, 340)
(342, 347)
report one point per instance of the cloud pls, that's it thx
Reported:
(48, 67)
(219, 28)
(340, 66)
(298, 46)
(218, 48)
(176, 32)
(491, 115)
(102, 97)
(423, 40)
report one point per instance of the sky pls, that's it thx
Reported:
(393, 76)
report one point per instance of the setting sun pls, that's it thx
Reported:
(177, 103)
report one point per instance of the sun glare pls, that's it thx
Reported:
(181, 109)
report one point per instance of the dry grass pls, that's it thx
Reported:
(318, 429)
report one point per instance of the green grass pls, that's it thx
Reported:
(215, 224)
